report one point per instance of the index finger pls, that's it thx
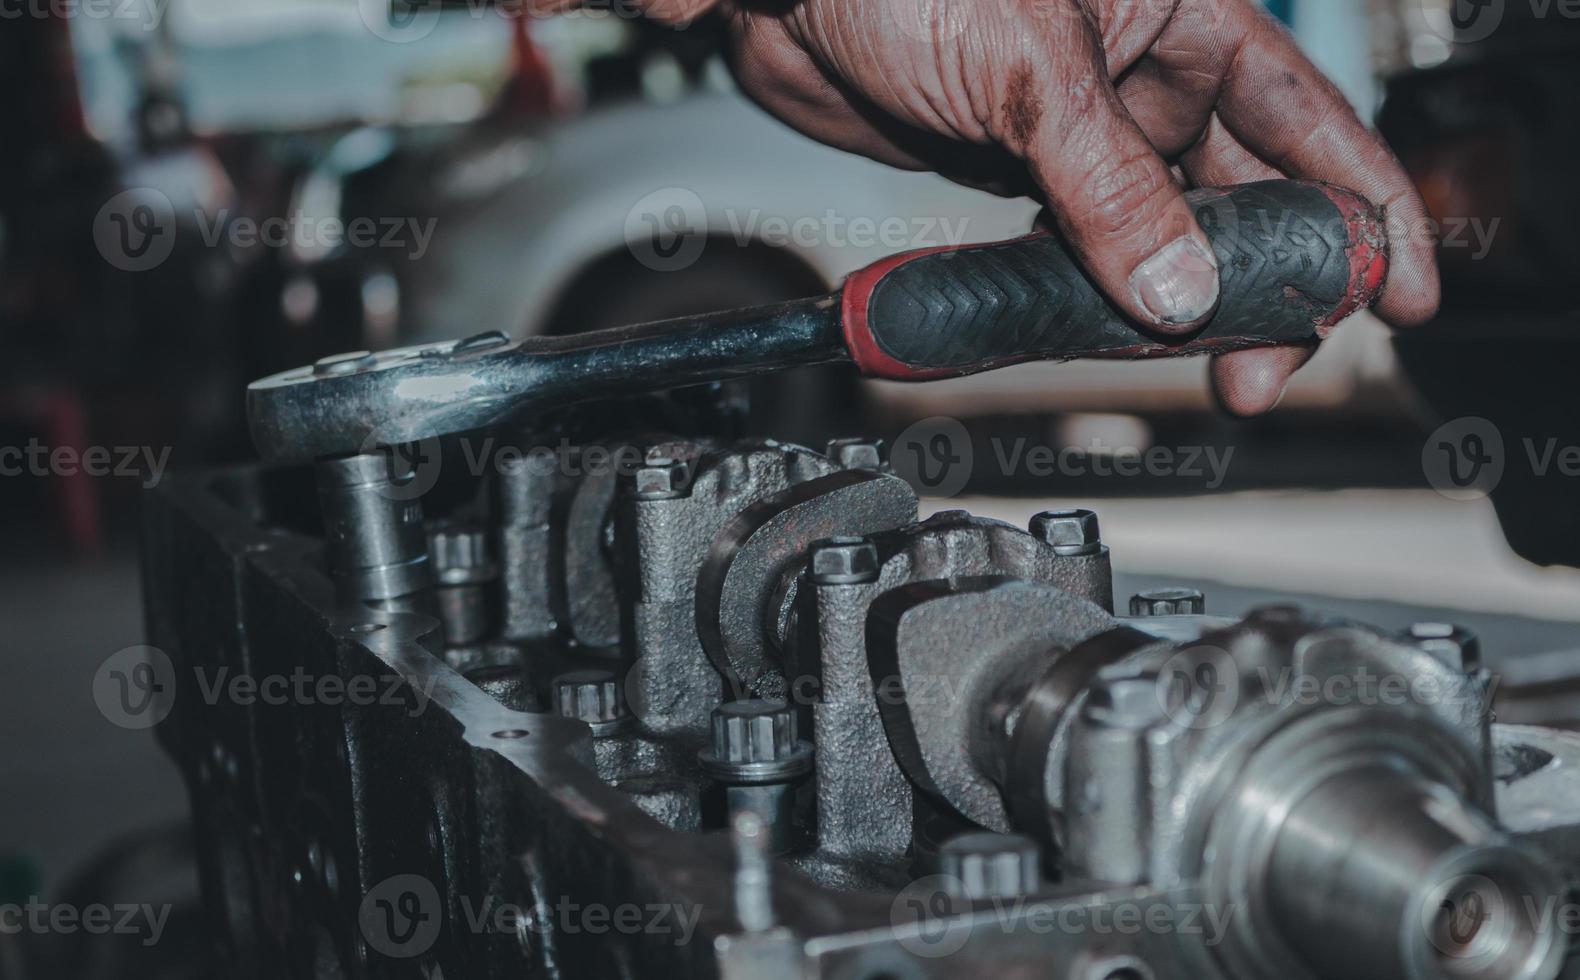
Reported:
(1282, 108)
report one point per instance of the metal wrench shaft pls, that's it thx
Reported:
(1294, 259)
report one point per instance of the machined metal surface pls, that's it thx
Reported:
(973, 767)
(416, 393)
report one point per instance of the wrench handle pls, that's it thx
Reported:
(1294, 259)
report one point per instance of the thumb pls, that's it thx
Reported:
(1116, 201)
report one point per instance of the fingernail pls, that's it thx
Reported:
(1180, 283)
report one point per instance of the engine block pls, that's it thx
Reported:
(659, 706)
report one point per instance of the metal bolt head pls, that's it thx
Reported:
(987, 865)
(753, 731)
(1070, 532)
(856, 454)
(1454, 646)
(593, 696)
(844, 561)
(460, 553)
(1168, 602)
(755, 741)
(659, 478)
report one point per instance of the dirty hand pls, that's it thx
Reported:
(1093, 100)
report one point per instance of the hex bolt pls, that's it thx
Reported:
(1168, 602)
(464, 568)
(1071, 533)
(984, 865)
(856, 454)
(1454, 646)
(844, 561)
(596, 697)
(374, 539)
(661, 477)
(758, 757)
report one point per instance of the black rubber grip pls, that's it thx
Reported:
(1294, 258)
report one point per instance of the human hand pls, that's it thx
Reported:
(1104, 109)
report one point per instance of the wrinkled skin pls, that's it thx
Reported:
(1106, 110)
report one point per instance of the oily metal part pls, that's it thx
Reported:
(964, 657)
(768, 541)
(673, 685)
(1033, 760)
(584, 594)
(359, 402)
(942, 653)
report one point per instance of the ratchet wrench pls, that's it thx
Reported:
(1294, 259)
